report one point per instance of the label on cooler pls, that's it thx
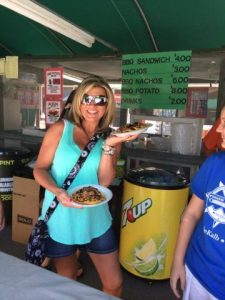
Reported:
(132, 213)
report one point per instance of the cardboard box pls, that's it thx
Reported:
(25, 207)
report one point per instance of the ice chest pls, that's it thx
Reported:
(152, 204)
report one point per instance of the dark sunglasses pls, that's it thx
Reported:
(96, 100)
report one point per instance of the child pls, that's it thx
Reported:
(199, 260)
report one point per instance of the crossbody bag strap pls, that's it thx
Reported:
(73, 173)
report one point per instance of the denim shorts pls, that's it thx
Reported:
(104, 244)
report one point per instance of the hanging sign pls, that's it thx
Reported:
(155, 80)
(197, 102)
(53, 83)
(53, 111)
(11, 67)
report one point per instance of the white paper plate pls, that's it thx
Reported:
(133, 132)
(106, 192)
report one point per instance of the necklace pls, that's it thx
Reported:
(88, 134)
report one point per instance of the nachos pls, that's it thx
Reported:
(88, 195)
(130, 127)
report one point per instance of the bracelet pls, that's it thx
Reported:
(109, 152)
(108, 149)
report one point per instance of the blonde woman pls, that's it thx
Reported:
(91, 111)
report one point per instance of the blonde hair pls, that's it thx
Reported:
(75, 115)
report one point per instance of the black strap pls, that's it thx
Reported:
(73, 173)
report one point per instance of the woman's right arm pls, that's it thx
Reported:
(45, 158)
(190, 218)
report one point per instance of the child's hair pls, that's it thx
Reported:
(67, 105)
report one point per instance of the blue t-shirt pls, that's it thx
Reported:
(205, 256)
(73, 225)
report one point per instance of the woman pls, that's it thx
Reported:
(91, 111)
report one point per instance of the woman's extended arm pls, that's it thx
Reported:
(190, 218)
(107, 168)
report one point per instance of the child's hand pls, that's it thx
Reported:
(178, 280)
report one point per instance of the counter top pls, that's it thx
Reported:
(140, 156)
(18, 139)
(142, 152)
(138, 152)
(18, 134)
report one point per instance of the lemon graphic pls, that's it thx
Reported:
(147, 268)
(146, 258)
(147, 250)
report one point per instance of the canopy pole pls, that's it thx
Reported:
(147, 25)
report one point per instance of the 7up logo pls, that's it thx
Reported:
(131, 214)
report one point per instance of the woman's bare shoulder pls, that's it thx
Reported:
(55, 130)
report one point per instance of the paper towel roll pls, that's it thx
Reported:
(182, 138)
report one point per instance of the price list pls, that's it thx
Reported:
(155, 80)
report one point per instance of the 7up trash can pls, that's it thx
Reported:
(152, 205)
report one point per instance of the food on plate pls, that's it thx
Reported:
(88, 195)
(130, 127)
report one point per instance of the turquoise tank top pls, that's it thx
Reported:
(73, 225)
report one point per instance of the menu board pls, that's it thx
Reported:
(155, 80)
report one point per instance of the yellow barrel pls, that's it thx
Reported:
(152, 205)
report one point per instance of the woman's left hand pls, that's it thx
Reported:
(114, 140)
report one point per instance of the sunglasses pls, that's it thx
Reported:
(96, 100)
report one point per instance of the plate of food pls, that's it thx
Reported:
(90, 195)
(131, 129)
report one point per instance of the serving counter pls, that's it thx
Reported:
(17, 138)
(135, 156)
(140, 155)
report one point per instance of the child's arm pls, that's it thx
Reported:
(2, 216)
(190, 218)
